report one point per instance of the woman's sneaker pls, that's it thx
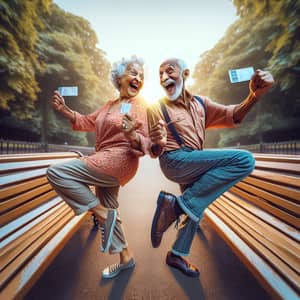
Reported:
(115, 269)
(107, 229)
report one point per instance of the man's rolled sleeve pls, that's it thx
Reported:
(229, 116)
(219, 115)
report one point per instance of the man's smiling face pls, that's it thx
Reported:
(171, 80)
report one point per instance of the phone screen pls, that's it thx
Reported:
(125, 108)
(239, 75)
(68, 90)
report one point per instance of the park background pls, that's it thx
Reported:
(44, 45)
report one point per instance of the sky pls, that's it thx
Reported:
(155, 30)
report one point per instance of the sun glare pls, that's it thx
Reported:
(151, 92)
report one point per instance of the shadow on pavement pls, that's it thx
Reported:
(119, 284)
(50, 286)
(192, 287)
(202, 236)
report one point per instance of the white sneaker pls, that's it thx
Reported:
(113, 270)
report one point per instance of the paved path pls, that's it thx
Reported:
(76, 272)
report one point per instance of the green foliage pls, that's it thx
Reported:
(18, 60)
(43, 47)
(267, 37)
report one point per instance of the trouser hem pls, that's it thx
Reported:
(118, 250)
(179, 253)
(79, 211)
(187, 210)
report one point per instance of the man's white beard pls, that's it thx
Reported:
(177, 91)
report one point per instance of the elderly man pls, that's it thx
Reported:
(177, 128)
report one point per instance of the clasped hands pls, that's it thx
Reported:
(158, 133)
(129, 127)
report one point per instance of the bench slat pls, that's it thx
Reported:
(28, 275)
(283, 248)
(17, 246)
(18, 233)
(36, 156)
(36, 222)
(277, 178)
(16, 178)
(270, 279)
(21, 221)
(285, 241)
(276, 263)
(16, 201)
(278, 166)
(279, 201)
(274, 188)
(277, 158)
(29, 165)
(21, 187)
(33, 249)
(261, 214)
(267, 207)
(26, 207)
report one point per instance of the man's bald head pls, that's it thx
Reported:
(175, 61)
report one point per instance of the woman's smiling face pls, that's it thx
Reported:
(131, 82)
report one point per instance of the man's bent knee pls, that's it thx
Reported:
(51, 174)
(247, 161)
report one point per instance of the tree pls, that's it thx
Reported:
(68, 50)
(46, 47)
(265, 36)
(18, 59)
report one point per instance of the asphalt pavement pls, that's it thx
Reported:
(75, 274)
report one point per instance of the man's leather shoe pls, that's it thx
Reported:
(167, 211)
(181, 264)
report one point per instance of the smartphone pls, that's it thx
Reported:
(125, 108)
(68, 90)
(239, 75)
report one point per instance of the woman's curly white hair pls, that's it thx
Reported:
(119, 68)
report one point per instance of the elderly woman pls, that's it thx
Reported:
(121, 138)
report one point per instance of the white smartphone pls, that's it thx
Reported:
(125, 108)
(68, 90)
(239, 75)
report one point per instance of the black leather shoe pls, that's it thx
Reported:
(167, 211)
(181, 264)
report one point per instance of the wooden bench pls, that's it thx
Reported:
(259, 219)
(35, 222)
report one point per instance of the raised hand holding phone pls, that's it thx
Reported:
(57, 101)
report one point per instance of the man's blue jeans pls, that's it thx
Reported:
(203, 175)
